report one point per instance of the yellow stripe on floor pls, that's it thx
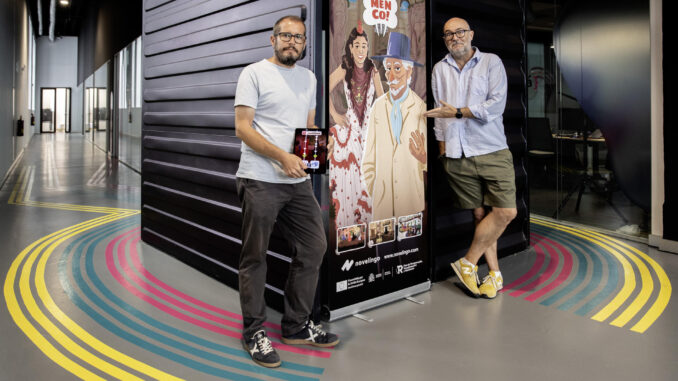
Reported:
(621, 251)
(49, 243)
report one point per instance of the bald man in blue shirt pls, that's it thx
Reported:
(469, 88)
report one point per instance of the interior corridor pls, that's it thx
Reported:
(85, 298)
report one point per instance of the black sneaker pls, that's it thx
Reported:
(313, 335)
(261, 350)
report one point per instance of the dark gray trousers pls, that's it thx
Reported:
(295, 208)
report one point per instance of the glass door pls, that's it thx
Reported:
(575, 132)
(47, 109)
(62, 121)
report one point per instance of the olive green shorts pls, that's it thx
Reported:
(482, 180)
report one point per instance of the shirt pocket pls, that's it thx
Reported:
(479, 86)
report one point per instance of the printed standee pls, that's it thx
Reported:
(377, 167)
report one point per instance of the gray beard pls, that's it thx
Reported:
(396, 91)
(459, 53)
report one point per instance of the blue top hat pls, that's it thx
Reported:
(398, 47)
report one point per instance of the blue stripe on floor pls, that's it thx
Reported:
(93, 239)
(595, 252)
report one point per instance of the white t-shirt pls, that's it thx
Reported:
(282, 99)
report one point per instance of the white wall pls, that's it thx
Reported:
(657, 102)
(14, 36)
(7, 38)
(57, 66)
(21, 85)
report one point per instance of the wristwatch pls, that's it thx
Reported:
(459, 115)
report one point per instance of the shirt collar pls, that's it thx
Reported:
(474, 58)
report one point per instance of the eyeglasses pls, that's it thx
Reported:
(459, 33)
(298, 38)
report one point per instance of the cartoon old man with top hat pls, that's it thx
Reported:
(394, 162)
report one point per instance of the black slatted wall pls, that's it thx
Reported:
(194, 51)
(499, 29)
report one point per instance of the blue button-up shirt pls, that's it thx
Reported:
(481, 86)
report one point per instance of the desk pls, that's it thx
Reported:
(592, 142)
(585, 179)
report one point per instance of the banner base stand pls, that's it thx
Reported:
(378, 301)
(363, 317)
(413, 300)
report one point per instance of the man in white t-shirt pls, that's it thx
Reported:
(273, 98)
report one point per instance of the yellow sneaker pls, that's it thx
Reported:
(467, 274)
(491, 284)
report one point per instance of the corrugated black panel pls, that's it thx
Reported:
(499, 28)
(152, 4)
(194, 51)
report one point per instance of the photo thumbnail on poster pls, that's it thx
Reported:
(382, 231)
(351, 238)
(409, 226)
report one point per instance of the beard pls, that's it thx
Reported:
(396, 91)
(458, 53)
(287, 60)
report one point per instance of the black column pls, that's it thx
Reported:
(500, 29)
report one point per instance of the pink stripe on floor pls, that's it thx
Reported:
(564, 273)
(536, 267)
(134, 256)
(110, 262)
(543, 277)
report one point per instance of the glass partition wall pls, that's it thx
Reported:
(89, 104)
(101, 112)
(112, 106)
(572, 177)
(128, 90)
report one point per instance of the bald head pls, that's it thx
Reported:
(456, 23)
(458, 36)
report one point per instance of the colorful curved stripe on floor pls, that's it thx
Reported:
(149, 315)
(593, 275)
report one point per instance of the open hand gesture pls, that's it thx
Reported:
(418, 146)
(444, 111)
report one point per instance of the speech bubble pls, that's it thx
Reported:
(381, 14)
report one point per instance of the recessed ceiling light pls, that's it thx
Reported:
(63, 2)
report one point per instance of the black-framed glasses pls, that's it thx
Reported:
(298, 38)
(460, 33)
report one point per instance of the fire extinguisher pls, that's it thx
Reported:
(20, 126)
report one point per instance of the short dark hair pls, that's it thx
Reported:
(276, 27)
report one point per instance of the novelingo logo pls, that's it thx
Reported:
(347, 265)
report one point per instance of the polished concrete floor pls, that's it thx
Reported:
(85, 298)
(594, 209)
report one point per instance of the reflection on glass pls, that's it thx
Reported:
(101, 110)
(128, 63)
(89, 106)
(570, 174)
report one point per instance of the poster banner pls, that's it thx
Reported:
(378, 161)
